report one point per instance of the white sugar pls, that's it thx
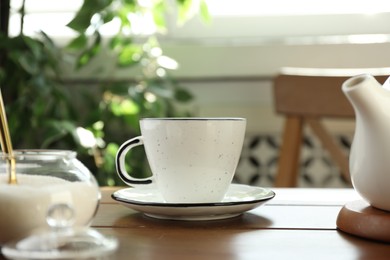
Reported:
(23, 206)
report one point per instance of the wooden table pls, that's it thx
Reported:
(296, 224)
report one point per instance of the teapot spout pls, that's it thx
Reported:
(356, 81)
(365, 93)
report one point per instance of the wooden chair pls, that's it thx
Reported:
(305, 97)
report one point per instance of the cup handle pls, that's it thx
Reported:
(120, 162)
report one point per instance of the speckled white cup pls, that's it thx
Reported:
(193, 160)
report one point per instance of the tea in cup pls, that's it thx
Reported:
(193, 160)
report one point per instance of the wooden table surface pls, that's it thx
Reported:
(296, 224)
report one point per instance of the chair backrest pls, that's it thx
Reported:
(305, 96)
(317, 92)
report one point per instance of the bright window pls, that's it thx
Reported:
(50, 16)
(238, 21)
(296, 7)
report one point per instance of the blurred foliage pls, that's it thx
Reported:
(41, 108)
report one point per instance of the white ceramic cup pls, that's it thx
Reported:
(193, 160)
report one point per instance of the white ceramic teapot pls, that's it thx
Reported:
(369, 160)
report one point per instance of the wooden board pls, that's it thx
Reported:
(360, 219)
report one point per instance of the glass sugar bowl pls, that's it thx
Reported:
(47, 182)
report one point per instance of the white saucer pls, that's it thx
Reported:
(238, 199)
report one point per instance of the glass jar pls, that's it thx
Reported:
(45, 179)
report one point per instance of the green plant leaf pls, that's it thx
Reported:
(51, 52)
(204, 12)
(28, 63)
(124, 107)
(89, 53)
(184, 10)
(183, 95)
(118, 42)
(48, 42)
(159, 16)
(78, 43)
(108, 16)
(112, 149)
(132, 121)
(118, 88)
(82, 20)
(57, 129)
(129, 55)
(122, 15)
(84, 59)
(130, 2)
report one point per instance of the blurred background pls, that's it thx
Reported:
(80, 74)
